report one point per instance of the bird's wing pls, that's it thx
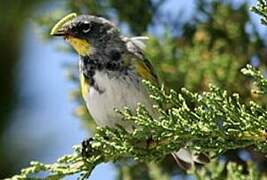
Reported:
(145, 70)
(138, 41)
(143, 67)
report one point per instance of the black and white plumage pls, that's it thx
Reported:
(111, 71)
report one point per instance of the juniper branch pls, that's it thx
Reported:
(216, 170)
(258, 77)
(261, 9)
(211, 121)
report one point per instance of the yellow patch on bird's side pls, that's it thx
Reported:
(82, 46)
(84, 87)
(145, 72)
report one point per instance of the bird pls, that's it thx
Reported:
(112, 67)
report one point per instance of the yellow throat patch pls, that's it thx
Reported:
(80, 45)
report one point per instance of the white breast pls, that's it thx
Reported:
(118, 91)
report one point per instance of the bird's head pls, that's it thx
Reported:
(85, 32)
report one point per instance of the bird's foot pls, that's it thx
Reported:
(87, 149)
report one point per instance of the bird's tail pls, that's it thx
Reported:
(186, 159)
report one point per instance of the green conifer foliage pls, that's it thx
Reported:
(208, 103)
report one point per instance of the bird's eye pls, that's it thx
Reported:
(85, 27)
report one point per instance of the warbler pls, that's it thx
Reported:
(111, 68)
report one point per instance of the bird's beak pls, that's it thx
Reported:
(82, 46)
(59, 28)
(59, 32)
